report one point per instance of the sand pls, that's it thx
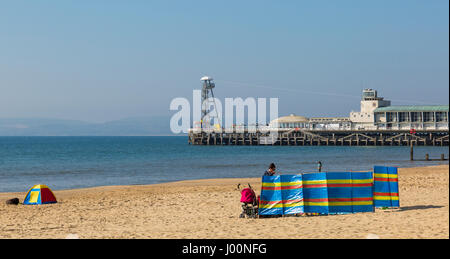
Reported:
(210, 209)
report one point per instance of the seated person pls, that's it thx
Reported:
(271, 170)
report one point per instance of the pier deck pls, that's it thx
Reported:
(322, 138)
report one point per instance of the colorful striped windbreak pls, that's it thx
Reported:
(386, 192)
(324, 193)
(281, 195)
(330, 192)
(315, 192)
(338, 192)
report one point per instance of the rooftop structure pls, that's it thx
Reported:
(413, 108)
(291, 121)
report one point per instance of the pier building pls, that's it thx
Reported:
(375, 114)
(378, 123)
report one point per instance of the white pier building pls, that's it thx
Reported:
(375, 114)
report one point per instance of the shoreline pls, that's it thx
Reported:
(209, 208)
(200, 182)
(194, 180)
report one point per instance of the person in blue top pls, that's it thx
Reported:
(271, 170)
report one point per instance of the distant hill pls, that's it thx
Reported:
(142, 126)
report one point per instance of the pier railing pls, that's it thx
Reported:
(302, 137)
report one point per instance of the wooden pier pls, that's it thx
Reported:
(299, 137)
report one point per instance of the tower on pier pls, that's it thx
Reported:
(207, 101)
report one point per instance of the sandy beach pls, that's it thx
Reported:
(211, 208)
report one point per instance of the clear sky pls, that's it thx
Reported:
(105, 60)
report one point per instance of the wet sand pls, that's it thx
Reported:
(210, 209)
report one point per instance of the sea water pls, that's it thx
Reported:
(78, 162)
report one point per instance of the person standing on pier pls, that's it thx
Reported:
(319, 166)
(271, 170)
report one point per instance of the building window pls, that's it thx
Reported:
(428, 117)
(441, 116)
(415, 116)
(403, 116)
(391, 117)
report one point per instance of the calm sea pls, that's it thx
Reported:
(77, 162)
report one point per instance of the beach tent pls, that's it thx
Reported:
(39, 194)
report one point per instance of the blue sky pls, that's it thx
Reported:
(106, 60)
